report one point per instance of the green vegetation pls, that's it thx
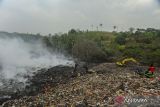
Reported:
(99, 46)
(90, 46)
(143, 44)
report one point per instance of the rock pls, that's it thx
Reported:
(91, 71)
(84, 103)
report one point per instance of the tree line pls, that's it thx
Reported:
(101, 46)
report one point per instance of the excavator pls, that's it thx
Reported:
(127, 61)
(133, 62)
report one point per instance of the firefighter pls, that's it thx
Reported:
(150, 72)
(151, 69)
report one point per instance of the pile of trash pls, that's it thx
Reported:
(105, 85)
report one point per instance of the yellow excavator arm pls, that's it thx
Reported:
(123, 62)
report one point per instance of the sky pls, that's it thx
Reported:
(55, 16)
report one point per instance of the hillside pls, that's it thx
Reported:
(24, 36)
(101, 46)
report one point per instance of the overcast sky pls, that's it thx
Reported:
(53, 16)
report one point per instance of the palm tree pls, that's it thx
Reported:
(114, 27)
(92, 27)
(101, 25)
(97, 28)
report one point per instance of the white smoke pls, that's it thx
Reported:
(18, 56)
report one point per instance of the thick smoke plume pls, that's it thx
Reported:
(19, 57)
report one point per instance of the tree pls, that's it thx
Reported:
(158, 33)
(131, 29)
(72, 31)
(97, 28)
(87, 50)
(47, 42)
(101, 25)
(114, 28)
(92, 27)
(120, 39)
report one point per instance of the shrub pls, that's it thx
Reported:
(87, 50)
(133, 52)
(120, 40)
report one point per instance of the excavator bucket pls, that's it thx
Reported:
(119, 64)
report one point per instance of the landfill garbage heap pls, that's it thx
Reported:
(105, 85)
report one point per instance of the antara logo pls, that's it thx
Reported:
(119, 100)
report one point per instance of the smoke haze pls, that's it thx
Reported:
(20, 57)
